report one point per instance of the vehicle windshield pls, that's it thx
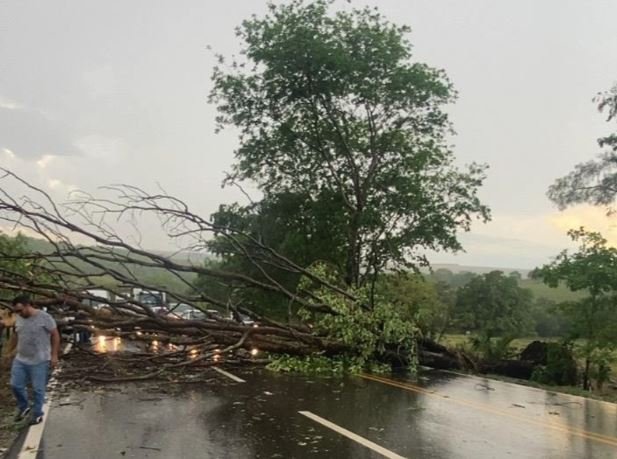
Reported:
(150, 299)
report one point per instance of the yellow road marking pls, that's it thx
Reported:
(609, 440)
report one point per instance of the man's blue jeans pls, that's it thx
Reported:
(37, 375)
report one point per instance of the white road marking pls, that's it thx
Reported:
(229, 375)
(357, 438)
(32, 442)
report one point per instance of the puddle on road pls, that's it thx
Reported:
(104, 344)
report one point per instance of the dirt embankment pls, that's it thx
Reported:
(8, 431)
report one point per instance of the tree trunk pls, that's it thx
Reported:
(352, 270)
(586, 385)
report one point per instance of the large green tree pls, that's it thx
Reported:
(333, 103)
(593, 182)
(493, 305)
(592, 269)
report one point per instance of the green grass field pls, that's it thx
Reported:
(518, 344)
(558, 295)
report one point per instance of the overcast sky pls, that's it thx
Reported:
(93, 93)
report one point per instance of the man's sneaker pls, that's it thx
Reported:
(20, 415)
(36, 420)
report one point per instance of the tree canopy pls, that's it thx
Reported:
(593, 182)
(592, 269)
(333, 104)
(494, 305)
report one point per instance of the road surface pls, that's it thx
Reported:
(443, 416)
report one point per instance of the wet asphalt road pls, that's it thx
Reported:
(443, 416)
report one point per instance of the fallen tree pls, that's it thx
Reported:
(334, 320)
(60, 279)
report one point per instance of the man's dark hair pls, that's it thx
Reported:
(23, 299)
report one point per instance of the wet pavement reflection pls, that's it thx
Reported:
(104, 344)
(440, 416)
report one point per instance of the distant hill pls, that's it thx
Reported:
(163, 278)
(456, 268)
(537, 287)
(151, 276)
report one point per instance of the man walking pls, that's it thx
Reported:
(38, 342)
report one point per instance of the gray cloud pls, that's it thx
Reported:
(127, 84)
(29, 134)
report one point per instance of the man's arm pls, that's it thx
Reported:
(55, 346)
